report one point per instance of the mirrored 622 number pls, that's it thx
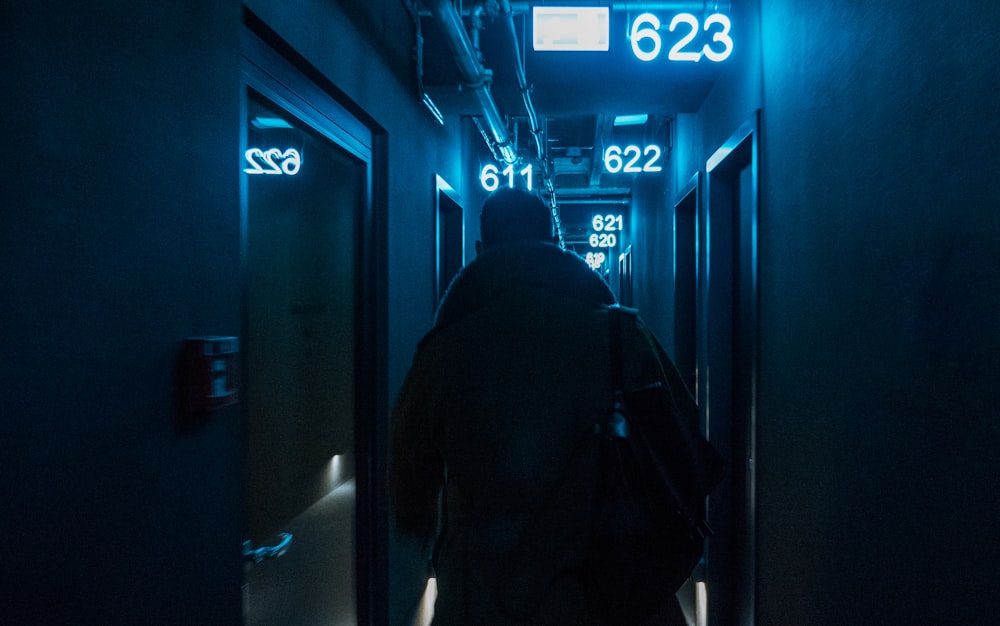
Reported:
(273, 161)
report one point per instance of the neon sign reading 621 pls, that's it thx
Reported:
(606, 227)
(646, 41)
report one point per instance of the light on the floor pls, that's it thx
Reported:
(700, 603)
(425, 612)
(334, 472)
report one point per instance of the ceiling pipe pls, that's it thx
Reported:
(520, 7)
(688, 6)
(474, 75)
(522, 81)
(507, 17)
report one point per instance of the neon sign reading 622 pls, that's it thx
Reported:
(628, 160)
(646, 41)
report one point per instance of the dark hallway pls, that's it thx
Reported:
(808, 217)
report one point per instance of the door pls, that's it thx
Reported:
(685, 281)
(450, 236)
(305, 193)
(625, 277)
(727, 357)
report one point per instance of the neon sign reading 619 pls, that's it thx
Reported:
(646, 41)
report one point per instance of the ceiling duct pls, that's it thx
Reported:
(474, 76)
(688, 6)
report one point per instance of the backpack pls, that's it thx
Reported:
(654, 473)
(647, 472)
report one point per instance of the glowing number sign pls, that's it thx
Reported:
(627, 160)
(646, 41)
(595, 259)
(605, 226)
(607, 223)
(266, 161)
(489, 177)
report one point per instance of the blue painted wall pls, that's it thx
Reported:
(879, 290)
(879, 296)
(879, 274)
(119, 236)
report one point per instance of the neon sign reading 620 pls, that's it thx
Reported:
(606, 227)
(646, 41)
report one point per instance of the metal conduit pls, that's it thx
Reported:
(536, 131)
(680, 6)
(473, 73)
(522, 81)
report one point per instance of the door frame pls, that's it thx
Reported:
(446, 203)
(271, 67)
(685, 278)
(728, 354)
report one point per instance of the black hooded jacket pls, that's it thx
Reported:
(498, 399)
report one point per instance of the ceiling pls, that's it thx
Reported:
(576, 96)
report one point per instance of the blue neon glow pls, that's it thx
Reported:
(489, 176)
(629, 159)
(608, 223)
(269, 122)
(646, 27)
(273, 161)
(679, 23)
(570, 28)
(595, 260)
(603, 240)
(684, 28)
(720, 37)
(631, 120)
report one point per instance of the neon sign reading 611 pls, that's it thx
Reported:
(646, 41)
(489, 177)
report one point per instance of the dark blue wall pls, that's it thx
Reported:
(879, 280)
(119, 236)
(879, 229)
(879, 240)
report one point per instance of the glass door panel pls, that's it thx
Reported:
(305, 196)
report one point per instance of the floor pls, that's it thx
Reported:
(313, 582)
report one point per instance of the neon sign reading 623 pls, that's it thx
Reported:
(646, 41)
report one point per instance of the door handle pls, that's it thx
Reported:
(250, 554)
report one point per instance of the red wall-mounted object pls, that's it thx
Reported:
(207, 373)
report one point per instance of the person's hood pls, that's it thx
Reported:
(520, 265)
